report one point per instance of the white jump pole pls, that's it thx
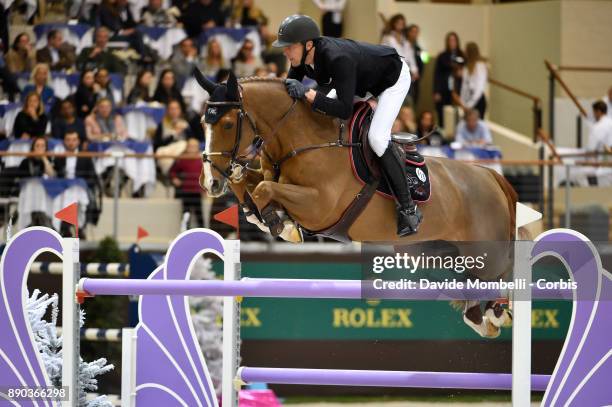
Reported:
(521, 323)
(70, 321)
(128, 367)
(231, 325)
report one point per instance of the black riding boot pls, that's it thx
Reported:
(408, 214)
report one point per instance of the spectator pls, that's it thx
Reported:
(214, 58)
(8, 80)
(40, 84)
(331, 18)
(20, 58)
(447, 63)
(272, 69)
(99, 56)
(246, 62)
(184, 59)
(473, 132)
(185, 174)
(79, 167)
(608, 101)
(202, 14)
(173, 127)
(37, 166)
(261, 72)
(103, 87)
(31, 121)
(155, 15)
(406, 118)
(117, 17)
(68, 122)
(141, 93)
(247, 14)
(171, 135)
(167, 89)
(85, 96)
(58, 54)
(395, 36)
(76, 167)
(412, 34)
(427, 125)
(600, 137)
(473, 82)
(104, 125)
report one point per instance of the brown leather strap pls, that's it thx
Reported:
(339, 231)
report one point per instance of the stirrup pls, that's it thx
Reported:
(408, 221)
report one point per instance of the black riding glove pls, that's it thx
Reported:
(295, 88)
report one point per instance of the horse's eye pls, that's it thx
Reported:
(228, 125)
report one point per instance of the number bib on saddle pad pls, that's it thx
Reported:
(365, 162)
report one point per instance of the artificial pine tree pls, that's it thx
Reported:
(50, 348)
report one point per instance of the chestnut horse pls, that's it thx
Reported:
(467, 203)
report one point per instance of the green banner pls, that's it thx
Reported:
(320, 319)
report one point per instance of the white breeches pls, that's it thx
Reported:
(387, 109)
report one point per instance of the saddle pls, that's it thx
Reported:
(366, 169)
(364, 161)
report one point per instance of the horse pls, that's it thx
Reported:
(256, 121)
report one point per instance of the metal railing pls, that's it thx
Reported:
(555, 159)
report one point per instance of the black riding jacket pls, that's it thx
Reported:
(350, 67)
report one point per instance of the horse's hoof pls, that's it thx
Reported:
(498, 318)
(485, 329)
(492, 331)
(291, 233)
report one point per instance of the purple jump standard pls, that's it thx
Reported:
(382, 378)
(288, 288)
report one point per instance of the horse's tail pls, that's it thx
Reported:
(511, 197)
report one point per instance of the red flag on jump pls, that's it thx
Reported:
(229, 217)
(141, 234)
(70, 214)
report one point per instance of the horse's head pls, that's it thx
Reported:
(229, 131)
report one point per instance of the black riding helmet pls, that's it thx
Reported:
(296, 28)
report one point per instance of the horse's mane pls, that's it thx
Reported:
(249, 79)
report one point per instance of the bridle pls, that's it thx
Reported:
(240, 163)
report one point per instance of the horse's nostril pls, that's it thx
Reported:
(215, 185)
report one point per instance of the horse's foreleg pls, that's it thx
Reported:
(294, 198)
(271, 197)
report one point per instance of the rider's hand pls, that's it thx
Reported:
(295, 88)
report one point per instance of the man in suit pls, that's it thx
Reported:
(99, 56)
(57, 54)
(80, 167)
(353, 69)
(76, 167)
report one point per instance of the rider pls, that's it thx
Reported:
(353, 69)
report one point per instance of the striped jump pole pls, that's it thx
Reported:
(98, 334)
(90, 269)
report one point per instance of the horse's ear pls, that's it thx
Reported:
(206, 84)
(232, 87)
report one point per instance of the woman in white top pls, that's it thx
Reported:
(395, 37)
(474, 81)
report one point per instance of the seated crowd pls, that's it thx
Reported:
(92, 112)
